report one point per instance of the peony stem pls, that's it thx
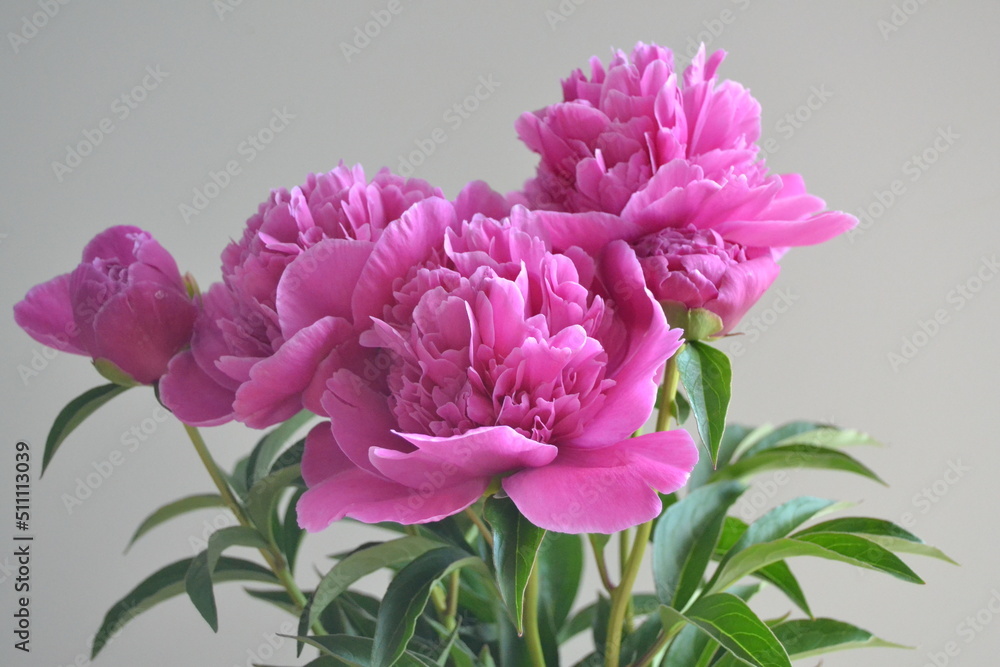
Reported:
(602, 565)
(271, 555)
(483, 530)
(622, 596)
(671, 378)
(531, 635)
(451, 613)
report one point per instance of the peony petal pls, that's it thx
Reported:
(637, 364)
(320, 282)
(322, 457)
(406, 243)
(46, 314)
(781, 233)
(141, 328)
(194, 397)
(478, 197)
(361, 418)
(604, 490)
(479, 453)
(372, 499)
(274, 390)
(740, 289)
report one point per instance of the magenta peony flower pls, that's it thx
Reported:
(705, 284)
(125, 306)
(499, 360)
(634, 141)
(283, 308)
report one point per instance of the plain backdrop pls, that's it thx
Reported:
(887, 107)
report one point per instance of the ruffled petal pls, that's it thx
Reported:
(604, 490)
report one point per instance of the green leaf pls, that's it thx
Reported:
(680, 410)
(75, 412)
(407, 596)
(448, 531)
(808, 638)
(796, 456)
(684, 539)
(766, 437)
(884, 533)
(166, 583)
(264, 495)
(780, 521)
(357, 565)
(560, 563)
(350, 650)
(515, 546)
(267, 448)
(198, 580)
(289, 536)
(577, 623)
(780, 576)
(704, 470)
(176, 508)
(728, 620)
(599, 629)
(844, 548)
(707, 377)
(278, 597)
(832, 437)
(692, 647)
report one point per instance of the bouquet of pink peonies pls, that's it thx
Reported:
(501, 383)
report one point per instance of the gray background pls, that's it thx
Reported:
(888, 92)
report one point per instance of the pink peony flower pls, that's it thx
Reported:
(704, 283)
(499, 360)
(693, 272)
(635, 141)
(248, 362)
(125, 306)
(283, 308)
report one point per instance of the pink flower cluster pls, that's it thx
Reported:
(483, 344)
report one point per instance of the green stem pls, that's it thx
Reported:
(271, 555)
(483, 530)
(451, 612)
(602, 565)
(622, 596)
(531, 636)
(671, 378)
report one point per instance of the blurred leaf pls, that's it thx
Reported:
(289, 536)
(684, 539)
(844, 548)
(267, 448)
(770, 436)
(264, 495)
(167, 582)
(350, 650)
(796, 456)
(707, 377)
(883, 533)
(75, 412)
(703, 471)
(176, 508)
(515, 546)
(808, 638)
(560, 562)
